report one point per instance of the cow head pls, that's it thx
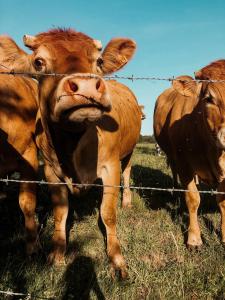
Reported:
(215, 70)
(211, 105)
(71, 97)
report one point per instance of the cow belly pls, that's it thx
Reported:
(207, 177)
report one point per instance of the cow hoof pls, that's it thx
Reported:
(126, 201)
(194, 241)
(127, 205)
(121, 273)
(33, 248)
(56, 259)
(194, 247)
(119, 267)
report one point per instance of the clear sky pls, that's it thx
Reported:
(173, 37)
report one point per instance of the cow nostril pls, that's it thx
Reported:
(98, 84)
(73, 86)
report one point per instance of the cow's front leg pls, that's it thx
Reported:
(221, 202)
(111, 176)
(27, 198)
(27, 202)
(59, 194)
(192, 198)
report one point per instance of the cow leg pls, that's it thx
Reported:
(173, 168)
(126, 168)
(192, 198)
(111, 176)
(27, 198)
(221, 202)
(59, 195)
(175, 176)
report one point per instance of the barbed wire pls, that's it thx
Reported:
(132, 187)
(131, 77)
(27, 296)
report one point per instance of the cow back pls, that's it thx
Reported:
(121, 126)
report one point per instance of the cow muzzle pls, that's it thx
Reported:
(81, 97)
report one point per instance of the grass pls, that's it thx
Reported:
(152, 234)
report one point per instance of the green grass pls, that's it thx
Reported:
(152, 234)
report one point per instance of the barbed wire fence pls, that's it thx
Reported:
(131, 77)
(131, 187)
(30, 296)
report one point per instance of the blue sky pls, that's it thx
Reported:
(173, 37)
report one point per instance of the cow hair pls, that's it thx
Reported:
(215, 70)
(62, 35)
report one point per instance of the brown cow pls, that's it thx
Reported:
(189, 125)
(88, 125)
(18, 108)
(215, 70)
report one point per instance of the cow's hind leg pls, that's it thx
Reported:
(192, 198)
(27, 198)
(110, 177)
(221, 202)
(126, 168)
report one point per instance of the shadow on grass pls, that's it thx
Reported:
(14, 264)
(80, 279)
(12, 248)
(13, 260)
(174, 202)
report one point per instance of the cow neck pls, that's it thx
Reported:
(64, 143)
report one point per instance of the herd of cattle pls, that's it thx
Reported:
(87, 128)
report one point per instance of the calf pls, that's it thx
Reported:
(189, 125)
(87, 125)
(18, 108)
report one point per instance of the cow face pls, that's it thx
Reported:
(213, 99)
(81, 94)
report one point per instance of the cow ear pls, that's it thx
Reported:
(117, 54)
(185, 85)
(11, 56)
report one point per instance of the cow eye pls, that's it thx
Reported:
(39, 64)
(209, 99)
(99, 62)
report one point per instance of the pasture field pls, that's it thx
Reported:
(152, 234)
